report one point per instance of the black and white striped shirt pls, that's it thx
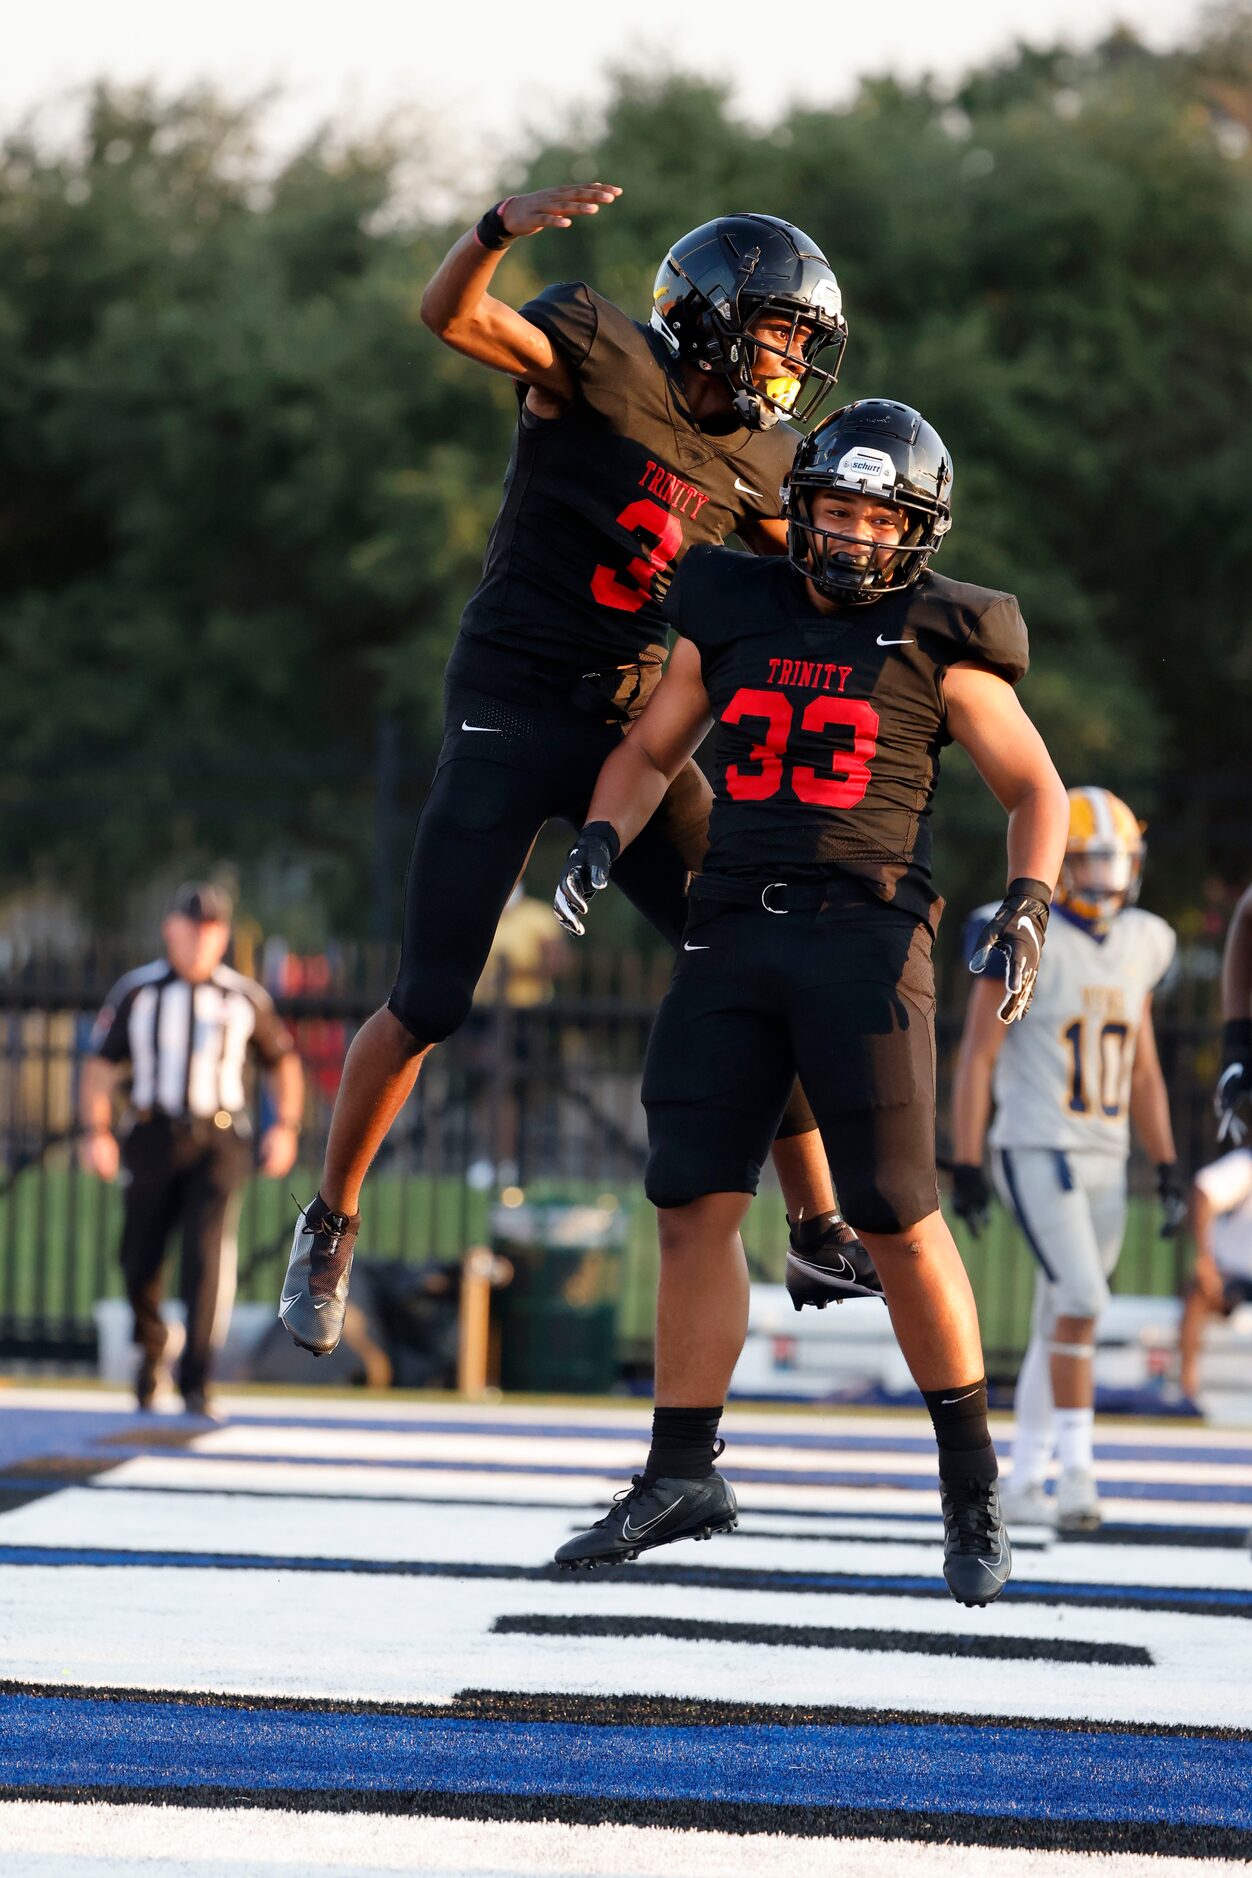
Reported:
(188, 1044)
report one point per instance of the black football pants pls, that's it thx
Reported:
(182, 1174)
(844, 997)
(504, 770)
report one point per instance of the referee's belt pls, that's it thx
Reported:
(782, 896)
(221, 1118)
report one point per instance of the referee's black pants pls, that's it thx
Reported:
(182, 1173)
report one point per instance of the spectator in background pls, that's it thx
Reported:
(186, 1025)
(1221, 1219)
(527, 954)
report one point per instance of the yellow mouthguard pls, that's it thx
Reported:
(782, 391)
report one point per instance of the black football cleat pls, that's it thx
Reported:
(315, 1290)
(977, 1557)
(827, 1261)
(651, 1513)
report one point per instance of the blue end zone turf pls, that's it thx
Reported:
(1036, 1773)
(196, 1686)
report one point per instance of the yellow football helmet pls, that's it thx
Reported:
(1103, 857)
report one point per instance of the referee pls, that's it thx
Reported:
(186, 1025)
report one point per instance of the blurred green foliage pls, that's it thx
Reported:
(244, 494)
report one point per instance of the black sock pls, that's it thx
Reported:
(809, 1235)
(317, 1211)
(960, 1418)
(683, 1440)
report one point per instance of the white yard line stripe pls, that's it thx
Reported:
(110, 1841)
(492, 1534)
(407, 1640)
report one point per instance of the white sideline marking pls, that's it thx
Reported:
(208, 1522)
(619, 1457)
(594, 1488)
(47, 1840)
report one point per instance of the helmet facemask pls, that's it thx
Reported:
(1098, 880)
(722, 342)
(845, 568)
(762, 399)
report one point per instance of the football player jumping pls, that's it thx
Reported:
(834, 679)
(1066, 1085)
(633, 443)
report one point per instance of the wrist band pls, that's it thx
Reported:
(605, 832)
(1031, 889)
(1237, 1038)
(491, 232)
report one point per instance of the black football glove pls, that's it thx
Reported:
(587, 868)
(971, 1196)
(1234, 1085)
(1173, 1198)
(1015, 930)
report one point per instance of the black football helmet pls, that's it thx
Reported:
(873, 447)
(715, 281)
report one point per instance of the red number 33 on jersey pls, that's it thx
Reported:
(842, 786)
(628, 588)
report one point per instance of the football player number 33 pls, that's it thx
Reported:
(841, 786)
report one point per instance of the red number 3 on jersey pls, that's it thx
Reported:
(840, 787)
(628, 588)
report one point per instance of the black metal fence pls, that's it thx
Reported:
(541, 1099)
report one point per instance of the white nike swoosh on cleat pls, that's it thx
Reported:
(639, 1531)
(998, 1576)
(490, 730)
(895, 642)
(691, 948)
(744, 489)
(827, 1273)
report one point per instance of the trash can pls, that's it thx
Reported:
(558, 1318)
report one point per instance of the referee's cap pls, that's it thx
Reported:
(202, 901)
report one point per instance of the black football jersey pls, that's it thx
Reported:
(601, 503)
(828, 728)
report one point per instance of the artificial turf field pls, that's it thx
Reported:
(324, 1637)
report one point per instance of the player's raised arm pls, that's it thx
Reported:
(633, 781)
(458, 309)
(987, 720)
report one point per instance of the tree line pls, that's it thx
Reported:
(244, 494)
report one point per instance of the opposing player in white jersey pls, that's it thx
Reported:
(1221, 1223)
(1066, 1082)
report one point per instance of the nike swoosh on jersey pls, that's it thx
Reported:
(744, 489)
(895, 642)
(639, 1531)
(690, 948)
(491, 730)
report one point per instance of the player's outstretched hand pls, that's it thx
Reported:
(587, 867)
(555, 208)
(1173, 1198)
(1234, 1085)
(971, 1196)
(1015, 931)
